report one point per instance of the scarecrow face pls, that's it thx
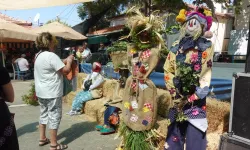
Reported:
(193, 26)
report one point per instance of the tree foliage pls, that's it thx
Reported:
(86, 10)
(58, 20)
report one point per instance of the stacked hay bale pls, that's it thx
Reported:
(217, 112)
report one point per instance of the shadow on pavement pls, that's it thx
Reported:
(29, 128)
(76, 131)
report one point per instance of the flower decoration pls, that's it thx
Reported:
(197, 67)
(209, 63)
(204, 108)
(167, 77)
(204, 55)
(133, 51)
(182, 16)
(194, 57)
(175, 138)
(195, 112)
(172, 91)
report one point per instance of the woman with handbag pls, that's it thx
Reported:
(90, 89)
(49, 71)
(8, 135)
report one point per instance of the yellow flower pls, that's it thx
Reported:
(127, 105)
(145, 109)
(207, 12)
(182, 16)
(133, 51)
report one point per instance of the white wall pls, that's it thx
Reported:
(218, 29)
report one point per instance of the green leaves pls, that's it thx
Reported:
(181, 117)
(30, 97)
(118, 46)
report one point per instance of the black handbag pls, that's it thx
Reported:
(87, 84)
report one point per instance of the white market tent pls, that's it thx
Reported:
(30, 4)
(60, 30)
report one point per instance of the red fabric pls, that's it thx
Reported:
(97, 67)
(146, 54)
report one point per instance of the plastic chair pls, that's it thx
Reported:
(17, 73)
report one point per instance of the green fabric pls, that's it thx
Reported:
(97, 39)
(67, 86)
(99, 127)
(107, 130)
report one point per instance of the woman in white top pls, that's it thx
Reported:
(48, 72)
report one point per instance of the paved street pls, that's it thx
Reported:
(77, 132)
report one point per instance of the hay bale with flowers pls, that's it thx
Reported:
(118, 54)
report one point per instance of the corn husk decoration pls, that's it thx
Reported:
(152, 24)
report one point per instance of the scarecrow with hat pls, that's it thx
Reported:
(139, 106)
(91, 89)
(188, 70)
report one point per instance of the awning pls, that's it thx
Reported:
(29, 4)
(97, 39)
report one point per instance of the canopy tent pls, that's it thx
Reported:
(29, 4)
(10, 32)
(60, 30)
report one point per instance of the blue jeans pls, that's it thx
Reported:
(108, 112)
(80, 99)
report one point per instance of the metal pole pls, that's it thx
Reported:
(247, 64)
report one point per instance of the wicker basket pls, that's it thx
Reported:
(119, 58)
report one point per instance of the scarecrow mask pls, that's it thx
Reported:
(193, 27)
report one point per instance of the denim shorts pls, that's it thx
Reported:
(50, 111)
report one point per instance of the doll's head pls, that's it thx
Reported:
(195, 23)
(96, 67)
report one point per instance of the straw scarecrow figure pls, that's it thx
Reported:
(188, 70)
(139, 105)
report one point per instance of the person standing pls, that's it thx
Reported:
(49, 71)
(86, 54)
(8, 135)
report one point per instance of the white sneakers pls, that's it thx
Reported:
(72, 113)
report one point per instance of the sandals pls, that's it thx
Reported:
(44, 142)
(58, 147)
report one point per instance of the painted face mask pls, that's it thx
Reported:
(193, 27)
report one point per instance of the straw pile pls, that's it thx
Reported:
(118, 58)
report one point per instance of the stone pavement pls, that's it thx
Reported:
(77, 131)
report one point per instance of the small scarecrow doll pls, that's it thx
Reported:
(91, 89)
(139, 107)
(188, 70)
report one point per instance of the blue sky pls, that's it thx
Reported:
(67, 13)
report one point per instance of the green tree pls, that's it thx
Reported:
(86, 10)
(58, 20)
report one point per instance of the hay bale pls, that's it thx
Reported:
(217, 114)
(164, 102)
(95, 109)
(118, 58)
